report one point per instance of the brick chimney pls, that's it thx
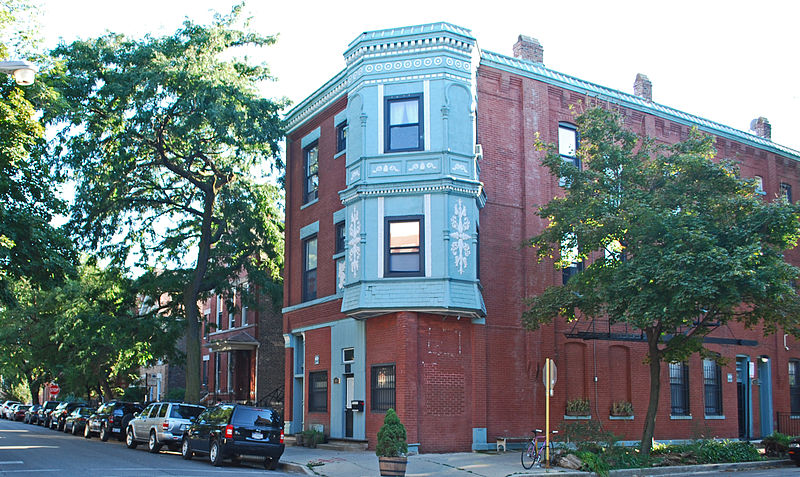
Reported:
(528, 48)
(643, 88)
(761, 127)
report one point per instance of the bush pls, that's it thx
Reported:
(391, 437)
(133, 394)
(714, 452)
(176, 394)
(587, 435)
(776, 445)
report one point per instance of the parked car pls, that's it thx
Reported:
(161, 423)
(232, 430)
(8, 411)
(32, 414)
(111, 418)
(4, 408)
(60, 413)
(43, 418)
(794, 451)
(19, 412)
(76, 421)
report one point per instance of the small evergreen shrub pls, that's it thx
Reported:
(391, 437)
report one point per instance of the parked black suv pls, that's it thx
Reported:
(111, 418)
(60, 413)
(232, 430)
(43, 419)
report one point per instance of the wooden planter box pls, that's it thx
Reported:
(393, 466)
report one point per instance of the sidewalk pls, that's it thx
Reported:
(340, 463)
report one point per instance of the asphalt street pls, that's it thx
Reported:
(33, 451)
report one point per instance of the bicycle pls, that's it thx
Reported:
(534, 452)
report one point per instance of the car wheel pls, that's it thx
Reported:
(271, 463)
(104, 434)
(125, 421)
(152, 444)
(74, 430)
(186, 449)
(129, 440)
(60, 425)
(215, 454)
(87, 432)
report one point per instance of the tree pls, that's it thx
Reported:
(162, 136)
(678, 244)
(30, 247)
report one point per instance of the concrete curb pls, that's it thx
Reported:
(295, 468)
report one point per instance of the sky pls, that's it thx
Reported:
(726, 61)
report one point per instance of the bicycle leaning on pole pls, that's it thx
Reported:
(534, 452)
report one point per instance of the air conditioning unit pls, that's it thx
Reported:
(478, 151)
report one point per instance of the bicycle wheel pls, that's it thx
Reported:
(529, 455)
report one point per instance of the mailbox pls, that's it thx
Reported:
(357, 406)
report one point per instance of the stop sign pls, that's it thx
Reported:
(54, 389)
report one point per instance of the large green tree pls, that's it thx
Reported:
(162, 136)
(30, 247)
(675, 244)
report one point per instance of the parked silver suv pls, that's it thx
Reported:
(159, 424)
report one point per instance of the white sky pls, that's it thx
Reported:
(727, 61)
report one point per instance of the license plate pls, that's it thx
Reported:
(115, 429)
(257, 435)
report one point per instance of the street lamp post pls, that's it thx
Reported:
(23, 72)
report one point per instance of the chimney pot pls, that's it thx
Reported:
(643, 87)
(528, 48)
(761, 127)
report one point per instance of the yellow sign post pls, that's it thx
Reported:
(549, 382)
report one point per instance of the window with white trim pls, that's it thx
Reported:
(404, 256)
(403, 123)
(311, 169)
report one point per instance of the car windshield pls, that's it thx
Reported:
(181, 411)
(86, 411)
(257, 417)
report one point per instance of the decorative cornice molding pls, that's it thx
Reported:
(469, 189)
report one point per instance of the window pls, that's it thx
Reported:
(341, 137)
(383, 387)
(404, 123)
(162, 412)
(348, 355)
(570, 258)
(311, 161)
(219, 312)
(759, 184)
(244, 307)
(205, 372)
(712, 386)
(310, 269)
(794, 386)
(231, 315)
(318, 391)
(679, 388)
(786, 191)
(568, 147)
(404, 257)
(340, 239)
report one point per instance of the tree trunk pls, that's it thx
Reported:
(108, 394)
(654, 358)
(190, 296)
(33, 387)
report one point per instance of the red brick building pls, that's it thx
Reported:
(242, 351)
(412, 179)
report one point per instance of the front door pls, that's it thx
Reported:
(743, 396)
(350, 386)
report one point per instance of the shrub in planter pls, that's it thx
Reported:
(578, 407)
(392, 447)
(776, 444)
(622, 409)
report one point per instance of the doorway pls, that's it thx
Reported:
(350, 386)
(743, 395)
